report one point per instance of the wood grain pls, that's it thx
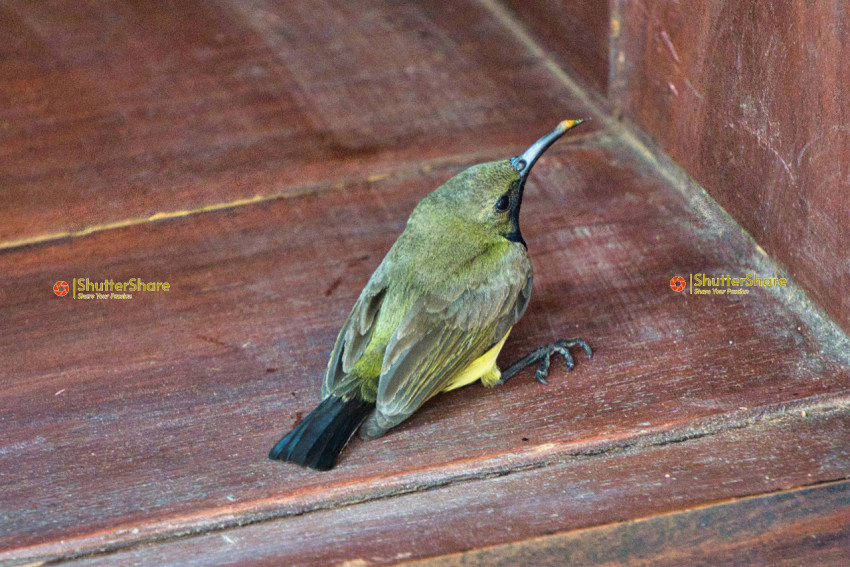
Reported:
(171, 400)
(287, 142)
(536, 516)
(747, 99)
(123, 111)
(575, 32)
(799, 527)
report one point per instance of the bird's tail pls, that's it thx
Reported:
(317, 441)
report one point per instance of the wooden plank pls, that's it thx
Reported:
(809, 526)
(572, 494)
(128, 421)
(745, 98)
(115, 112)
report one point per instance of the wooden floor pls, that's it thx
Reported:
(261, 158)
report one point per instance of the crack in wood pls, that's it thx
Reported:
(802, 409)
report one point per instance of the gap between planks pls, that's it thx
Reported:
(256, 512)
(475, 556)
(698, 198)
(400, 172)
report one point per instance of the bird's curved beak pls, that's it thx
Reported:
(524, 162)
(523, 165)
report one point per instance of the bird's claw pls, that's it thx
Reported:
(544, 355)
(561, 347)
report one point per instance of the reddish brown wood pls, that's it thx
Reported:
(118, 111)
(748, 99)
(137, 430)
(810, 526)
(576, 32)
(571, 493)
(171, 400)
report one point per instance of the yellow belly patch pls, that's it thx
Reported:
(483, 368)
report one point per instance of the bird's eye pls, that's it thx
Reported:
(503, 204)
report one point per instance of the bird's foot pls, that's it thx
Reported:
(543, 355)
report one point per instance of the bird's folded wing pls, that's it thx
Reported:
(355, 334)
(439, 337)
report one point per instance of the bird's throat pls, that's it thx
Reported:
(515, 235)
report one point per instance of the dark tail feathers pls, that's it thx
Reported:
(317, 441)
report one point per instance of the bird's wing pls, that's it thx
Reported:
(441, 336)
(357, 330)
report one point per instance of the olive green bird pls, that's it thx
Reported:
(434, 315)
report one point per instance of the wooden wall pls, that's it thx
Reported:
(748, 97)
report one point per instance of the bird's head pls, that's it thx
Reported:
(488, 196)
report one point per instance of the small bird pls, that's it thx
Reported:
(434, 315)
